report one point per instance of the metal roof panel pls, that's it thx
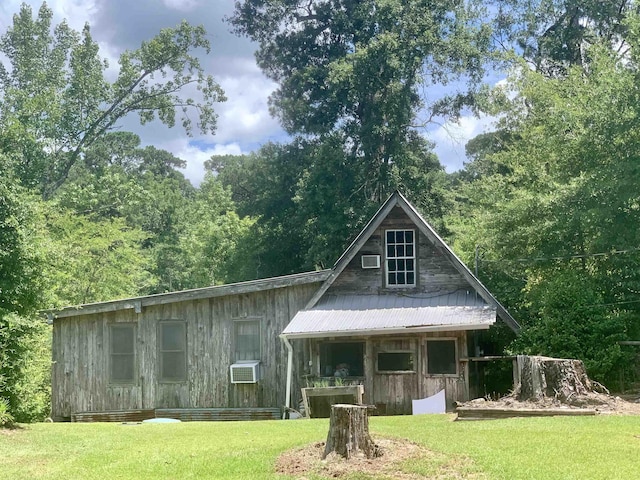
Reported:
(373, 314)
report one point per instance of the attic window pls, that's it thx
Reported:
(401, 258)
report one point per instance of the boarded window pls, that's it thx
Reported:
(247, 340)
(401, 258)
(173, 351)
(395, 362)
(441, 357)
(122, 356)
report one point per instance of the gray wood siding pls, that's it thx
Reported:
(393, 392)
(80, 371)
(435, 271)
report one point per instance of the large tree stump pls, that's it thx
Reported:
(349, 432)
(562, 379)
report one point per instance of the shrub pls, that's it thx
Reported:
(6, 420)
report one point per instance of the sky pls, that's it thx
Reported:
(244, 122)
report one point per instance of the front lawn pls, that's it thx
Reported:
(602, 447)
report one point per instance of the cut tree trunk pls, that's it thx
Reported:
(349, 432)
(542, 377)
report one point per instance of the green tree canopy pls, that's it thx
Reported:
(23, 290)
(557, 214)
(361, 68)
(56, 101)
(553, 35)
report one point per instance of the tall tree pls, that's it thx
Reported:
(94, 261)
(23, 256)
(215, 245)
(360, 68)
(560, 216)
(307, 200)
(553, 35)
(56, 101)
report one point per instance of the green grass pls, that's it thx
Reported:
(602, 447)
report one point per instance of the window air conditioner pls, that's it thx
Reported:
(246, 371)
(370, 261)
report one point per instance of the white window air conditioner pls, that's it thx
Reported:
(370, 261)
(247, 371)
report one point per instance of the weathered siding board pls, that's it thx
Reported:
(296, 300)
(220, 354)
(435, 271)
(455, 386)
(393, 392)
(80, 370)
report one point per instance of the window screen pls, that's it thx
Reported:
(173, 351)
(122, 353)
(247, 339)
(342, 359)
(441, 357)
(395, 362)
(401, 258)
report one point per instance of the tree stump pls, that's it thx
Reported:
(349, 432)
(542, 377)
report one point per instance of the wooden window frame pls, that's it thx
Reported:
(413, 257)
(456, 356)
(134, 354)
(236, 321)
(396, 372)
(161, 352)
(320, 342)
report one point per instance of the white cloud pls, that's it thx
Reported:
(451, 137)
(196, 155)
(246, 113)
(181, 5)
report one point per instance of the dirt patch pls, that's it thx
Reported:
(400, 459)
(10, 431)
(602, 403)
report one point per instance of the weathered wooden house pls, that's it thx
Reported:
(394, 314)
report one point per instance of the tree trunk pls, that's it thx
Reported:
(349, 432)
(542, 377)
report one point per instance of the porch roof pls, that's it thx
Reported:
(351, 315)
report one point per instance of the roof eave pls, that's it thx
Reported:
(388, 331)
(137, 303)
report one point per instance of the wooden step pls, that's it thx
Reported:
(183, 414)
(479, 413)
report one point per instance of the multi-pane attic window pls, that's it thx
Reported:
(401, 258)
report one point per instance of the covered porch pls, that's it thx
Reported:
(399, 347)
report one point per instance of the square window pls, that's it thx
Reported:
(395, 362)
(342, 359)
(441, 357)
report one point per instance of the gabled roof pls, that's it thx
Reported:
(398, 200)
